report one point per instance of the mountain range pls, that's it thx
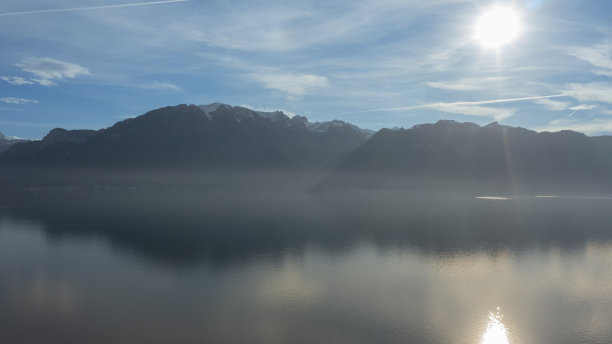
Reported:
(6, 142)
(233, 137)
(448, 150)
(214, 135)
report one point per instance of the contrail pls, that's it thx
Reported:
(89, 8)
(481, 102)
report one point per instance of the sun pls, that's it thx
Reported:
(497, 27)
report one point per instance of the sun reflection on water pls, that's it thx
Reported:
(496, 332)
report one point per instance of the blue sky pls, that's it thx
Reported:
(385, 63)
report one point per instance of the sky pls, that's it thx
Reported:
(87, 64)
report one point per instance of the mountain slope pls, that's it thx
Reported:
(467, 152)
(7, 142)
(215, 135)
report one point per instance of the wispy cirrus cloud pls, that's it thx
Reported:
(16, 80)
(55, 10)
(18, 101)
(590, 127)
(598, 55)
(468, 84)
(161, 86)
(591, 92)
(584, 107)
(48, 71)
(466, 103)
(281, 26)
(293, 84)
(603, 72)
(497, 114)
(553, 105)
(469, 108)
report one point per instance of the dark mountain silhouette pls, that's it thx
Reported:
(448, 150)
(215, 135)
(22, 150)
(7, 142)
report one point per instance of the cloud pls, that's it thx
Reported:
(473, 103)
(250, 28)
(591, 92)
(12, 100)
(468, 84)
(562, 121)
(88, 8)
(583, 107)
(45, 82)
(283, 26)
(593, 127)
(162, 86)
(553, 105)
(603, 72)
(295, 84)
(48, 70)
(16, 80)
(598, 55)
(474, 110)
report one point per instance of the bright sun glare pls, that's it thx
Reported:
(496, 332)
(497, 27)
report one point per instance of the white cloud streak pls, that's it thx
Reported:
(467, 84)
(553, 105)
(286, 26)
(161, 86)
(474, 110)
(55, 10)
(295, 84)
(474, 103)
(591, 92)
(16, 80)
(18, 101)
(598, 55)
(592, 127)
(583, 107)
(48, 70)
(603, 72)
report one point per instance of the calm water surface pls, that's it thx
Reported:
(68, 280)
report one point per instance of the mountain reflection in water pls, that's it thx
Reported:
(137, 265)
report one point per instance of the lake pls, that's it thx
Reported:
(138, 265)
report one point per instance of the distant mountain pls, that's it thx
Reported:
(22, 150)
(214, 135)
(6, 142)
(448, 150)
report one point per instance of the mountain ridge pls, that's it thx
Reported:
(214, 135)
(221, 136)
(468, 152)
(7, 142)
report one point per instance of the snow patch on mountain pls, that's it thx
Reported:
(242, 112)
(208, 109)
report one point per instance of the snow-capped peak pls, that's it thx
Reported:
(273, 116)
(210, 108)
